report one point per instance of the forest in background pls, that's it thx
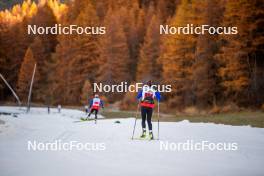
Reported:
(205, 71)
(5, 4)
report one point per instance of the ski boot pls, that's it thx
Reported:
(151, 135)
(143, 134)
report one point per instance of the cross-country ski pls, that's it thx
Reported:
(131, 87)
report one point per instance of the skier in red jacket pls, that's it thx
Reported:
(95, 105)
(146, 96)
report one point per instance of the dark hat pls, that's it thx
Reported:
(149, 83)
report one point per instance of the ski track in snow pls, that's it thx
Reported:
(122, 155)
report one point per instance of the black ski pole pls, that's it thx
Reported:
(95, 116)
(135, 121)
(88, 114)
(158, 119)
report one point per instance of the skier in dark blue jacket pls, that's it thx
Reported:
(146, 97)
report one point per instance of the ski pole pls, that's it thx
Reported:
(13, 92)
(95, 117)
(135, 121)
(88, 113)
(158, 119)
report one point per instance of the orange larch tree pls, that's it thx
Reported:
(25, 75)
(148, 68)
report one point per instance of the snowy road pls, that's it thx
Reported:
(122, 156)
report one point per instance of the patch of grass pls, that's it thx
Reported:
(118, 114)
(254, 119)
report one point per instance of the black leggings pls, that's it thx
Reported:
(146, 113)
(95, 112)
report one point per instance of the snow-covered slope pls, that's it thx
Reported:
(122, 156)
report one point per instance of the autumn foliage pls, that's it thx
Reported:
(204, 70)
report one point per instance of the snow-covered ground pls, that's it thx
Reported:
(122, 156)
